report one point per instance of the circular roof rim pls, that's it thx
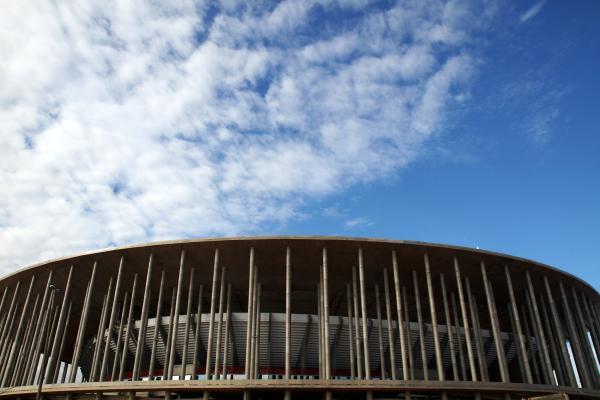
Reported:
(304, 237)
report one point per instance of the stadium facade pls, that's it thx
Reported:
(297, 317)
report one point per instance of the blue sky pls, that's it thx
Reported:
(468, 123)
(491, 180)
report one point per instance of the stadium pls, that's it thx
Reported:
(297, 317)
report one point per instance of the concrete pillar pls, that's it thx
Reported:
(409, 348)
(130, 323)
(249, 316)
(421, 327)
(100, 333)
(116, 363)
(519, 331)
(547, 367)
(495, 326)
(173, 343)
(12, 358)
(363, 304)
(388, 310)
(211, 321)
(169, 334)
(326, 316)
(288, 312)
(82, 325)
(459, 344)
(380, 333)
(584, 373)
(227, 327)
(434, 324)
(403, 344)
(143, 322)
(359, 365)
(111, 322)
(220, 325)
(465, 320)
(350, 333)
(197, 343)
(449, 329)
(157, 325)
(481, 356)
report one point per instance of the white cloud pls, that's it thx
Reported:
(532, 11)
(126, 122)
(358, 222)
(537, 98)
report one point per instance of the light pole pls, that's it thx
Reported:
(46, 334)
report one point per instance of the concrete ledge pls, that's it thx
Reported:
(518, 389)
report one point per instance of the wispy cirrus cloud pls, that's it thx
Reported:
(534, 101)
(358, 222)
(532, 11)
(125, 123)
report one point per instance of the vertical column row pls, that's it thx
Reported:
(462, 340)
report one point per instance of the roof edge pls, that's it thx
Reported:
(301, 237)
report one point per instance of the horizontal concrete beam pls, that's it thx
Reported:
(300, 385)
